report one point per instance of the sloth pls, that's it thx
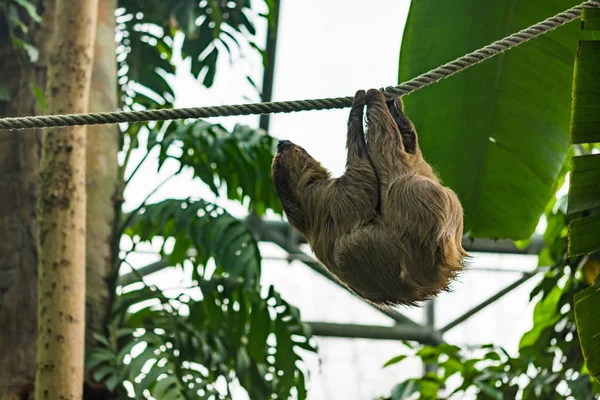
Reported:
(386, 229)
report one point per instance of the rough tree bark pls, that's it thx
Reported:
(62, 208)
(19, 171)
(102, 172)
(19, 167)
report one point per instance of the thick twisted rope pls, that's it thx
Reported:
(407, 87)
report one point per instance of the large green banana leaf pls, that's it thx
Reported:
(497, 133)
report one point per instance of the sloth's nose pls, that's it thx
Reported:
(284, 144)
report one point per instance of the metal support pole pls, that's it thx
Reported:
(430, 314)
(430, 324)
(271, 52)
(476, 245)
(397, 332)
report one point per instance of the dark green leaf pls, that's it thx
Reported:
(125, 350)
(164, 386)
(32, 51)
(135, 368)
(98, 356)
(492, 355)
(240, 159)
(587, 304)
(101, 338)
(150, 379)
(112, 382)
(394, 360)
(544, 316)
(585, 119)
(584, 192)
(590, 19)
(429, 387)
(491, 392)
(260, 327)
(30, 8)
(213, 234)
(502, 144)
(405, 389)
(101, 373)
(242, 363)
(584, 235)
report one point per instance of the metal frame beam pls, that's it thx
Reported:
(471, 245)
(397, 332)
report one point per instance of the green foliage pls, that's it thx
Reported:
(489, 372)
(484, 376)
(178, 348)
(224, 331)
(588, 327)
(148, 30)
(584, 195)
(590, 19)
(206, 230)
(585, 121)
(240, 160)
(146, 33)
(517, 146)
(497, 132)
(19, 15)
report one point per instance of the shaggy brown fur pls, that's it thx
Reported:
(387, 228)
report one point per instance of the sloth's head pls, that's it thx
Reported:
(295, 175)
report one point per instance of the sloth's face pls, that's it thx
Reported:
(287, 168)
(289, 165)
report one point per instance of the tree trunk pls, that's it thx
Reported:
(19, 167)
(102, 172)
(62, 208)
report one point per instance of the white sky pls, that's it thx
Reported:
(328, 49)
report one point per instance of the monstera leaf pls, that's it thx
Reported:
(239, 160)
(497, 133)
(176, 355)
(206, 229)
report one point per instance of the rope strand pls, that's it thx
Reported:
(412, 85)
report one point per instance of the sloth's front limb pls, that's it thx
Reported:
(406, 127)
(355, 142)
(384, 141)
